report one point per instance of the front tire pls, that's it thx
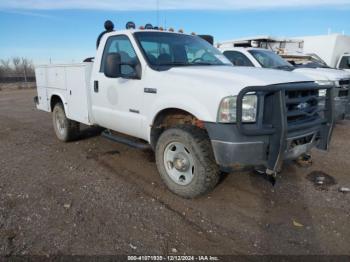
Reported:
(65, 129)
(186, 162)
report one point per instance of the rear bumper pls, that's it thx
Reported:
(277, 135)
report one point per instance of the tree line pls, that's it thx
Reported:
(17, 67)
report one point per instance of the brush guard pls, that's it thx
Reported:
(288, 109)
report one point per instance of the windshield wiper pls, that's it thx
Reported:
(283, 67)
(188, 64)
(203, 63)
(174, 64)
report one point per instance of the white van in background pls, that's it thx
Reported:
(334, 49)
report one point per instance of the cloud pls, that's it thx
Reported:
(166, 4)
(27, 13)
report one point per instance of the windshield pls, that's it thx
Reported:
(345, 62)
(269, 59)
(169, 49)
(319, 60)
(305, 61)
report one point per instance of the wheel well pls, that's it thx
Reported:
(54, 100)
(171, 117)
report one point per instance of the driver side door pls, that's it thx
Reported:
(116, 102)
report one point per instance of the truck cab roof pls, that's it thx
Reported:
(132, 31)
(210, 72)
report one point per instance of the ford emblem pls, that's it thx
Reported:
(302, 106)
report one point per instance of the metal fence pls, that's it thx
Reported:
(16, 79)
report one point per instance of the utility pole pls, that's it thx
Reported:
(24, 64)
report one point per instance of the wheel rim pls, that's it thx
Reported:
(179, 163)
(60, 122)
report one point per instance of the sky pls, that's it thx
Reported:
(64, 31)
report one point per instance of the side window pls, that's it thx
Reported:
(238, 59)
(122, 45)
(344, 63)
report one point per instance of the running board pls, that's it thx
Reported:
(125, 140)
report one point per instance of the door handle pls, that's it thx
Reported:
(96, 86)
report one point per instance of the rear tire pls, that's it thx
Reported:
(65, 129)
(185, 161)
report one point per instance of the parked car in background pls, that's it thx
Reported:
(331, 49)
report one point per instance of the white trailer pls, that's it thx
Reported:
(276, 44)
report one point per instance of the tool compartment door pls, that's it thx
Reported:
(77, 96)
(41, 85)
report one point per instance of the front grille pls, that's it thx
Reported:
(303, 106)
(344, 82)
(343, 93)
(292, 107)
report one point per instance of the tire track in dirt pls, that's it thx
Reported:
(157, 193)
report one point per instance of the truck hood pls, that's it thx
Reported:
(233, 76)
(323, 73)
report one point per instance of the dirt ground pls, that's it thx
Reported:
(16, 86)
(96, 197)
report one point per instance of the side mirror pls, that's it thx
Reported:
(112, 67)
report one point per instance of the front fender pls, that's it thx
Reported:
(184, 103)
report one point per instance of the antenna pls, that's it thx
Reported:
(157, 12)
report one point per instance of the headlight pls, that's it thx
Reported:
(322, 92)
(227, 109)
(327, 83)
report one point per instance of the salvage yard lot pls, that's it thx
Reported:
(97, 197)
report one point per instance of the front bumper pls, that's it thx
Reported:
(273, 138)
(233, 150)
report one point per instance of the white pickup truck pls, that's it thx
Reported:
(178, 95)
(263, 58)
